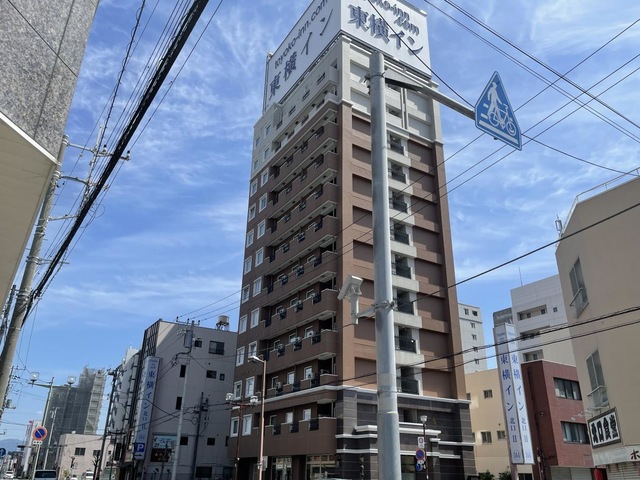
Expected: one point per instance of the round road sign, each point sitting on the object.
(3, 452)
(420, 454)
(419, 466)
(40, 433)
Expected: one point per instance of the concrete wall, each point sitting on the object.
(42, 46)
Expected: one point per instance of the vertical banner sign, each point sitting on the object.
(145, 405)
(513, 399)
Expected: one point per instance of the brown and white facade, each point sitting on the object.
(598, 263)
(309, 226)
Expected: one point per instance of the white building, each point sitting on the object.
(472, 338)
(164, 368)
(537, 308)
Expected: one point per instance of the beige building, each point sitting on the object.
(488, 424)
(598, 263)
(77, 454)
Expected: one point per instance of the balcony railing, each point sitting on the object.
(405, 343)
(404, 306)
(399, 176)
(599, 397)
(407, 385)
(398, 205)
(396, 147)
(399, 236)
(401, 270)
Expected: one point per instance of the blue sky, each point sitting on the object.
(167, 239)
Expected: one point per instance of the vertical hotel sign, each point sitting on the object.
(395, 28)
(513, 399)
(147, 390)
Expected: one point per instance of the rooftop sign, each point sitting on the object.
(395, 28)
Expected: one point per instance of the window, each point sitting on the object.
(473, 325)
(237, 390)
(574, 432)
(184, 440)
(79, 451)
(263, 203)
(476, 361)
(468, 396)
(245, 294)
(183, 370)
(259, 257)
(466, 311)
(246, 425)
(264, 177)
(240, 356)
(474, 313)
(257, 141)
(252, 212)
(247, 265)
(533, 356)
(261, 228)
(234, 427)
(211, 441)
(567, 389)
(555, 309)
(306, 414)
(178, 403)
(257, 286)
(250, 237)
(288, 417)
(474, 336)
(254, 166)
(216, 348)
(308, 372)
(488, 393)
(255, 318)
(96, 453)
(253, 349)
(267, 130)
(596, 378)
(253, 188)
(249, 386)
(486, 437)
(578, 289)
(212, 374)
(242, 324)
(267, 152)
(291, 377)
(222, 377)
(502, 435)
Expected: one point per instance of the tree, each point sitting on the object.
(505, 475)
(486, 475)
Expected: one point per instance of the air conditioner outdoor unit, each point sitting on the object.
(278, 385)
(309, 376)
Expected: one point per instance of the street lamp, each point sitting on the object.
(253, 401)
(254, 359)
(423, 419)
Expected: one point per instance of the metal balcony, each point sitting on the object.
(401, 270)
(400, 237)
(405, 344)
(407, 385)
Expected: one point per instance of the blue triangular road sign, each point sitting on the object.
(495, 116)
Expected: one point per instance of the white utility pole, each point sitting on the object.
(188, 343)
(388, 420)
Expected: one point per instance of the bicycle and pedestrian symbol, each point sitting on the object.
(494, 115)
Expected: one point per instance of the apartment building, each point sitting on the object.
(182, 371)
(474, 357)
(598, 263)
(309, 226)
(538, 308)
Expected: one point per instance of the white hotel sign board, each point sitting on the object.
(148, 381)
(513, 399)
(400, 33)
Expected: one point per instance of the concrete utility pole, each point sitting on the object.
(388, 421)
(24, 293)
(188, 343)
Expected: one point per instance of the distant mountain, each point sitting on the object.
(11, 444)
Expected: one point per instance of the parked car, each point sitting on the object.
(44, 474)
(9, 475)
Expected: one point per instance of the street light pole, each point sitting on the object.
(423, 419)
(254, 359)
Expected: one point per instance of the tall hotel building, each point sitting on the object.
(310, 225)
